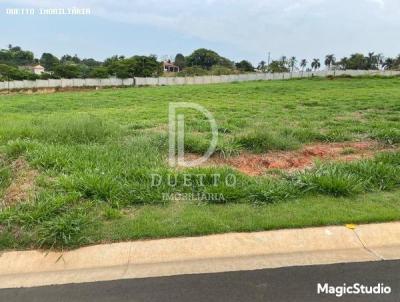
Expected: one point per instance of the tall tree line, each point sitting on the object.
(357, 61)
(200, 62)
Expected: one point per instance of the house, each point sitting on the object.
(36, 69)
(170, 67)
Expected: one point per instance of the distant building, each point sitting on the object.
(36, 69)
(170, 67)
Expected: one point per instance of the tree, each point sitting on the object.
(220, 70)
(380, 59)
(244, 66)
(342, 64)
(389, 63)
(330, 60)
(70, 59)
(48, 61)
(99, 72)
(180, 61)
(195, 71)
(374, 61)
(277, 66)
(5, 57)
(15, 56)
(68, 71)
(22, 58)
(303, 64)
(355, 62)
(91, 62)
(206, 58)
(8, 72)
(315, 64)
(112, 60)
(136, 66)
(261, 66)
(292, 63)
(392, 63)
(358, 61)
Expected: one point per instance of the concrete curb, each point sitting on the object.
(207, 254)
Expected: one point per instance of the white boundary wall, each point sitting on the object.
(113, 82)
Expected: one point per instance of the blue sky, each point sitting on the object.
(237, 29)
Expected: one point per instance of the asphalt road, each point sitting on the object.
(293, 284)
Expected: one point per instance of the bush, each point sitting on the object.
(99, 72)
(8, 73)
(67, 71)
(192, 71)
(222, 70)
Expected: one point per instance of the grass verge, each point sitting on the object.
(96, 152)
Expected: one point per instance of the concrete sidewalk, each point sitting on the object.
(207, 254)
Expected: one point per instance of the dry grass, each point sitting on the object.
(22, 186)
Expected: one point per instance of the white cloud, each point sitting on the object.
(257, 26)
(381, 3)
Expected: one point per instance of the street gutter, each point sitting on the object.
(206, 254)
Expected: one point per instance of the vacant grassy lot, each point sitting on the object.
(75, 168)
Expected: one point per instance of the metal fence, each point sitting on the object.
(160, 81)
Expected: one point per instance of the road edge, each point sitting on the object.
(205, 254)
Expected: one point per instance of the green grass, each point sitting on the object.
(96, 152)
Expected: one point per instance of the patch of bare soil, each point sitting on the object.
(305, 158)
(22, 185)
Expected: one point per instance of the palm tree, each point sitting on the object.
(371, 59)
(380, 59)
(389, 63)
(315, 64)
(292, 63)
(284, 60)
(330, 60)
(261, 66)
(303, 65)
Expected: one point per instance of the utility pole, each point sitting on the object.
(269, 57)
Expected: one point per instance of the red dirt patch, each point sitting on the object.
(257, 164)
